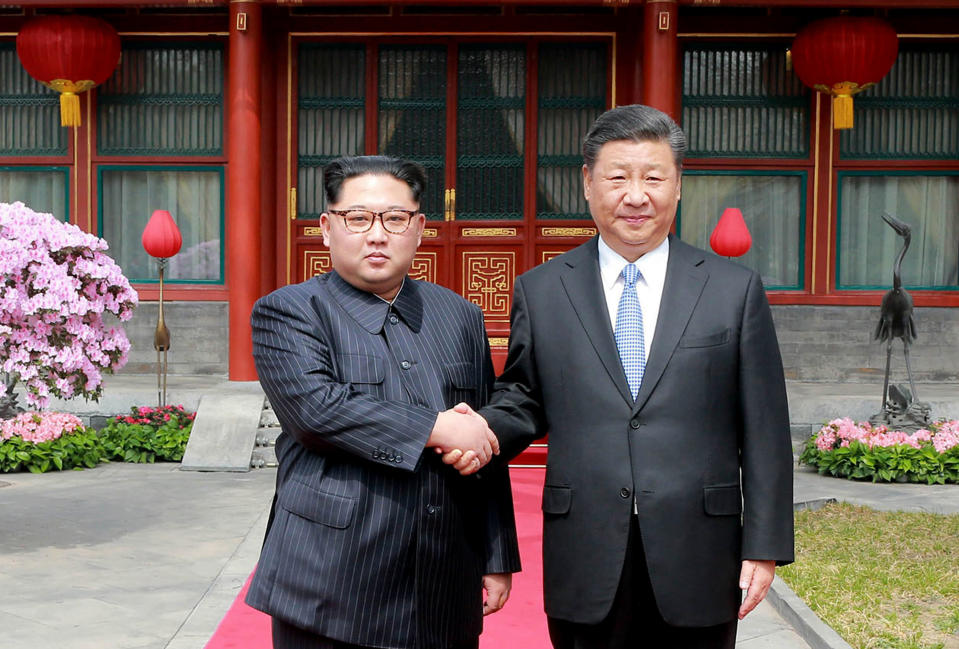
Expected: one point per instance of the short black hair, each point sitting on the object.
(637, 123)
(338, 171)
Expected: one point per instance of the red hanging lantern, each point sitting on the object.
(842, 56)
(161, 237)
(730, 237)
(69, 54)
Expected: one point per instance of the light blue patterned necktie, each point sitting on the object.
(629, 330)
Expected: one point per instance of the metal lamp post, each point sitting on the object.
(161, 239)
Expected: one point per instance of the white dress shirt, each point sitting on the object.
(649, 287)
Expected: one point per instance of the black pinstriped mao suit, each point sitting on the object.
(373, 541)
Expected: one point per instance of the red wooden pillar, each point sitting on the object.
(661, 57)
(243, 181)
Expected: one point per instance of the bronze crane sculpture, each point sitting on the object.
(895, 318)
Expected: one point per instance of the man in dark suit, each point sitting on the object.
(373, 541)
(668, 481)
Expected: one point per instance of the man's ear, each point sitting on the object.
(418, 223)
(587, 181)
(325, 226)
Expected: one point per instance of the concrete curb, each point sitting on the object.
(212, 607)
(816, 633)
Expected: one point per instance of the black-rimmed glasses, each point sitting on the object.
(359, 221)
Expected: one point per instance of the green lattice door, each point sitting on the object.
(498, 127)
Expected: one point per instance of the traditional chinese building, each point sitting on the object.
(225, 112)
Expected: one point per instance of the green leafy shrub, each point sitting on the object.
(148, 434)
(40, 442)
(845, 449)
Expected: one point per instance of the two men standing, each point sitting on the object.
(653, 367)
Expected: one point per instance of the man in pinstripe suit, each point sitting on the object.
(373, 541)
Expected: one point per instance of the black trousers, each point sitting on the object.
(287, 636)
(634, 622)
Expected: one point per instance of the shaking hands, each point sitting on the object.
(461, 435)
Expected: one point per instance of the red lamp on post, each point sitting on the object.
(161, 239)
(69, 54)
(730, 237)
(844, 55)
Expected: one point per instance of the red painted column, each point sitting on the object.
(661, 71)
(243, 181)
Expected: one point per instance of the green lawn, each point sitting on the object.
(881, 580)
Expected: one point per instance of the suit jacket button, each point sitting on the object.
(393, 318)
(624, 492)
(634, 423)
(406, 365)
(431, 509)
(399, 458)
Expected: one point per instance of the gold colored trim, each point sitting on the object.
(489, 232)
(498, 342)
(815, 194)
(736, 35)
(291, 207)
(289, 153)
(568, 232)
(76, 174)
(829, 185)
(94, 228)
(452, 204)
(313, 231)
(440, 34)
(184, 34)
(430, 233)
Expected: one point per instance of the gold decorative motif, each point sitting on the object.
(498, 342)
(430, 233)
(424, 266)
(549, 254)
(313, 231)
(568, 232)
(489, 232)
(316, 262)
(488, 282)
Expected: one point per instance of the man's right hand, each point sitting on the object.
(464, 439)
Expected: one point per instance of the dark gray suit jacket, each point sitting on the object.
(704, 450)
(373, 540)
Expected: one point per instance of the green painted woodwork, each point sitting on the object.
(163, 100)
(742, 102)
(29, 112)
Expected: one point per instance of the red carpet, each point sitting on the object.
(520, 625)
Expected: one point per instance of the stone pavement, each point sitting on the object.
(147, 556)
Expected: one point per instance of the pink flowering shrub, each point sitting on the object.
(844, 448)
(56, 284)
(40, 442)
(148, 434)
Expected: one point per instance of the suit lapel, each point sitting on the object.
(583, 286)
(685, 279)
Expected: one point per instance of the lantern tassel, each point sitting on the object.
(842, 111)
(69, 109)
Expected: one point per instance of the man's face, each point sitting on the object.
(375, 260)
(633, 191)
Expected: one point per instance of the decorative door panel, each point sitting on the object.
(485, 276)
(498, 127)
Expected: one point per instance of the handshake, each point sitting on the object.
(462, 437)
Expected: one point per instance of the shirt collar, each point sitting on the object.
(652, 265)
(370, 310)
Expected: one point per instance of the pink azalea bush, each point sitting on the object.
(43, 441)
(845, 448)
(56, 284)
(36, 428)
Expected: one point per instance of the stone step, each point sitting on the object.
(264, 452)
